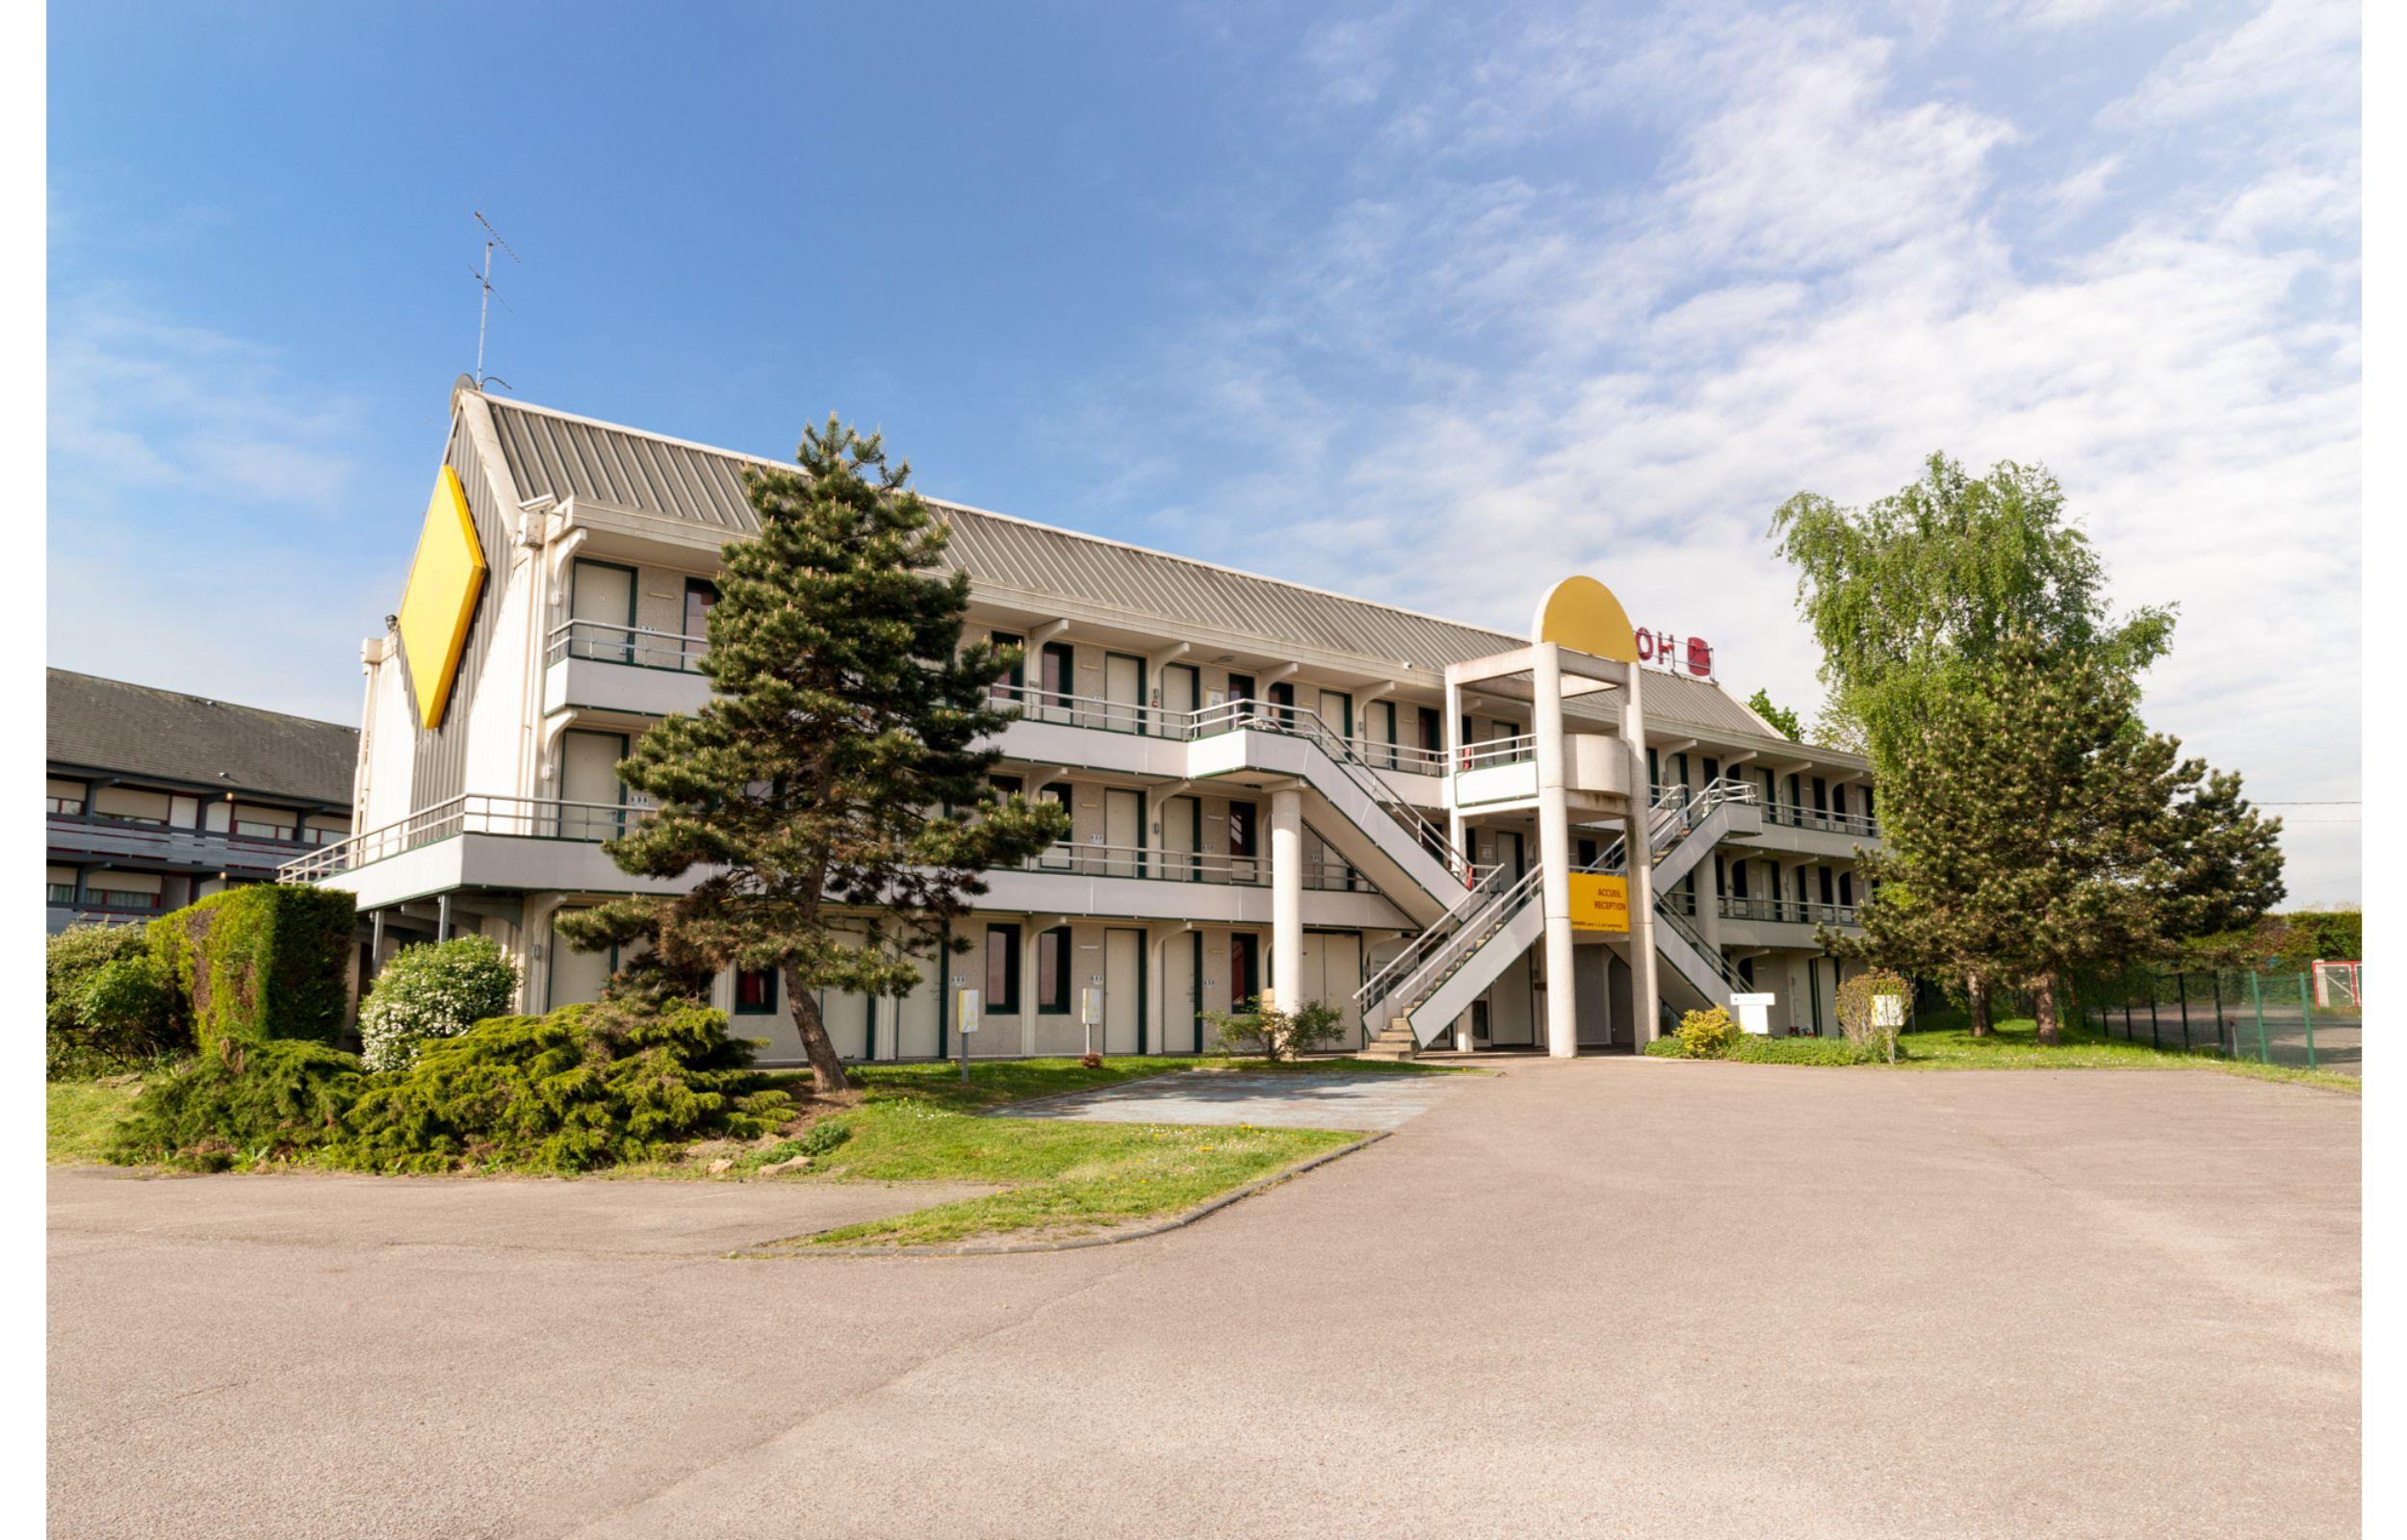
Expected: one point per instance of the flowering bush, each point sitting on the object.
(1277, 1034)
(1707, 1033)
(438, 989)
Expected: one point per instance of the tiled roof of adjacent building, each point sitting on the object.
(99, 723)
(553, 453)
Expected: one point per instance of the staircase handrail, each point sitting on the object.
(1438, 964)
(1712, 955)
(1433, 934)
(1304, 723)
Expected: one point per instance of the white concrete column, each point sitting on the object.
(1286, 896)
(1451, 737)
(1554, 853)
(1646, 997)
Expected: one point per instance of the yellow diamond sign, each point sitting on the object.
(445, 579)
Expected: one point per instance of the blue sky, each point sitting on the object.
(1320, 291)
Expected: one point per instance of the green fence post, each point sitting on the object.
(2256, 993)
(2181, 982)
(2218, 1017)
(2155, 1041)
(2307, 1014)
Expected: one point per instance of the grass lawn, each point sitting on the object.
(921, 1123)
(84, 1113)
(2015, 1044)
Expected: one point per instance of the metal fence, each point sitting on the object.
(2270, 1017)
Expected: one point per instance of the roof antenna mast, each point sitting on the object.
(486, 294)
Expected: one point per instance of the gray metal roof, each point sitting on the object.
(555, 454)
(97, 724)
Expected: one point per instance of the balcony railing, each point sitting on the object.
(474, 813)
(1789, 911)
(597, 641)
(1188, 866)
(1101, 715)
(1494, 751)
(592, 822)
(1797, 815)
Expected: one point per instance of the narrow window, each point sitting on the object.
(1053, 971)
(1003, 969)
(756, 991)
(1242, 834)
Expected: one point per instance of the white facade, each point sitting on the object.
(1267, 788)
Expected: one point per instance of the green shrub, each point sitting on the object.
(105, 1007)
(1754, 1050)
(259, 963)
(1707, 1033)
(437, 990)
(1276, 1034)
(584, 1087)
(240, 1104)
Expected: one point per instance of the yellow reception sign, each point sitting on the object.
(1599, 903)
(445, 579)
(1582, 614)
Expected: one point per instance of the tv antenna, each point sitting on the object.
(486, 294)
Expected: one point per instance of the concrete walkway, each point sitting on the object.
(1336, 1099)
(1596, 1297)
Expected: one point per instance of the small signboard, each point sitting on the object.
(1888, 1012)
(1599, 903)
(1090, 1007)
(968, 1013)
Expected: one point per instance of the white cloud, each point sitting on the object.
(1826, 276)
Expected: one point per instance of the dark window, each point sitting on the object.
(1242, 834)
(1847, 888)
(700, 595)
(1738, 879)
(1241, 687)
(1826, 895)
(1713, 771)
(1654, 771)
(1282, 695)
(1822, 795)
(1003, 969)
(1053, 971)
(1017, 675)
(1005, 785)
(1679, 765)
(1060, 667)
(1586, 851)
(1433, 729)
(756, 991)
(1245, 969)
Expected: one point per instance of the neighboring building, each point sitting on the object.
(157, 798)
(1256, 770)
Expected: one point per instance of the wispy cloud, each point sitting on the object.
(1826, 268)
(169, 438)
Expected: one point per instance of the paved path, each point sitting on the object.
(1220, 1097)
(1608, 1298)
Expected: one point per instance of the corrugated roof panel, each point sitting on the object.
(566, 457)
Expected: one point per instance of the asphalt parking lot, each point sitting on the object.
(1608, 1297)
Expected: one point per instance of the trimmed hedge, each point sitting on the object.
(1750, 1050)
(105, 1005)
(260, 963)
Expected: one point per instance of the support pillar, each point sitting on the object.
(1554, 853)
(1286, 898)
(1645, 996)
(1451, 736)
(443, 918)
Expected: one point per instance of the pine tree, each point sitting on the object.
(836, 770)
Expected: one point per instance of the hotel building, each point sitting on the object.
(1271, 787)
(156, 799)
